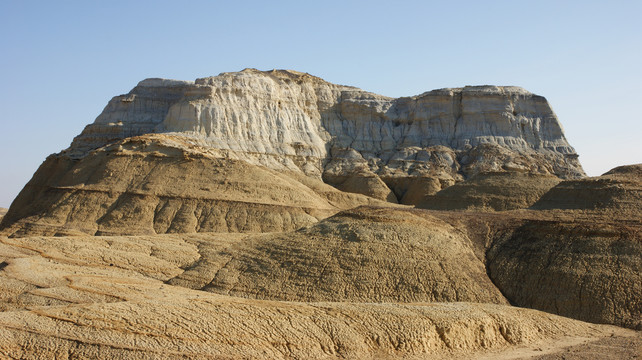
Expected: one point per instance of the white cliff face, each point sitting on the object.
(295, 121)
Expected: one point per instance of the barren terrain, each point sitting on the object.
(275, 215)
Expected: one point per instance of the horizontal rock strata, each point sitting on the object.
(290, 120)
(292, 128)
(116, 305)
(491, 191)
(618, 191)
(363, 255)
(157, 184)
(585, 270)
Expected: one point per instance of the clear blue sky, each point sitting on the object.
(63, 60)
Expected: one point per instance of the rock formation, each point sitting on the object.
(3, 211)
(617, 191)
(581, 254)
(107, 297)
(585, 270)
(342, 259)
(290, 120)
(158, 184)
(266, 215)
(281, 124)
(491, 191)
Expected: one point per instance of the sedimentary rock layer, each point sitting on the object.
(364, 255)
(585, 270)
(117, 305)
(491, 191)
(289, 130)
(162, 184)
(618, 191)
(580, 255)
(290, 120)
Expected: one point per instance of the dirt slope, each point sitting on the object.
(365, 254)
(68, 300)
(585, 270)
(618, 192)
(492, 191)
(161, 184)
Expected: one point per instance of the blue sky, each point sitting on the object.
(63, 60)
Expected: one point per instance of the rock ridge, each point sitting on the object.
(288, 120)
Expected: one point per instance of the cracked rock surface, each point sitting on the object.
(287, 120)
(270, 215)
(118, 297)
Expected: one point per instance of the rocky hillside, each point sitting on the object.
(162, 184)
(294, 133)
(241, 295)
(269, 215)
(286, 120)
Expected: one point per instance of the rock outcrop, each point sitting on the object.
(3, 211)
(491, 191)
(361, 255)
(157, 184)
(588, 270)
(292, 131)
(618, 191)
(290, 120)
(580, 253)
(128, 297)
(116, 304)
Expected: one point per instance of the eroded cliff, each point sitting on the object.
(290, 120)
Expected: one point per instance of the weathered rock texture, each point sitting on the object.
(617, 191)
(363, 255)
(580, 255)
(491, 191)
(585, 270)
(116, 305)
(242, 251)
(3, 211)
(299, 129)
(158, 184)
(290, 120)
(128, 297)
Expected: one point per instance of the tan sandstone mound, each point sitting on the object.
(618, 191)
(366, 254)
(105, 298)
(159, 184)
(492, 191)
(3, 211)
(582, 257)
(292, 125)
(585, 270)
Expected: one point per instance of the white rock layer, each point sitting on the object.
(291, 120)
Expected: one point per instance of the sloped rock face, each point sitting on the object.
(162, 184)
(295, 121)
(364, 255)
(580, 255)
(617, 191)
(107, 297)
(588, 270)
(280, 268)
(491, 191)
(298, 129)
